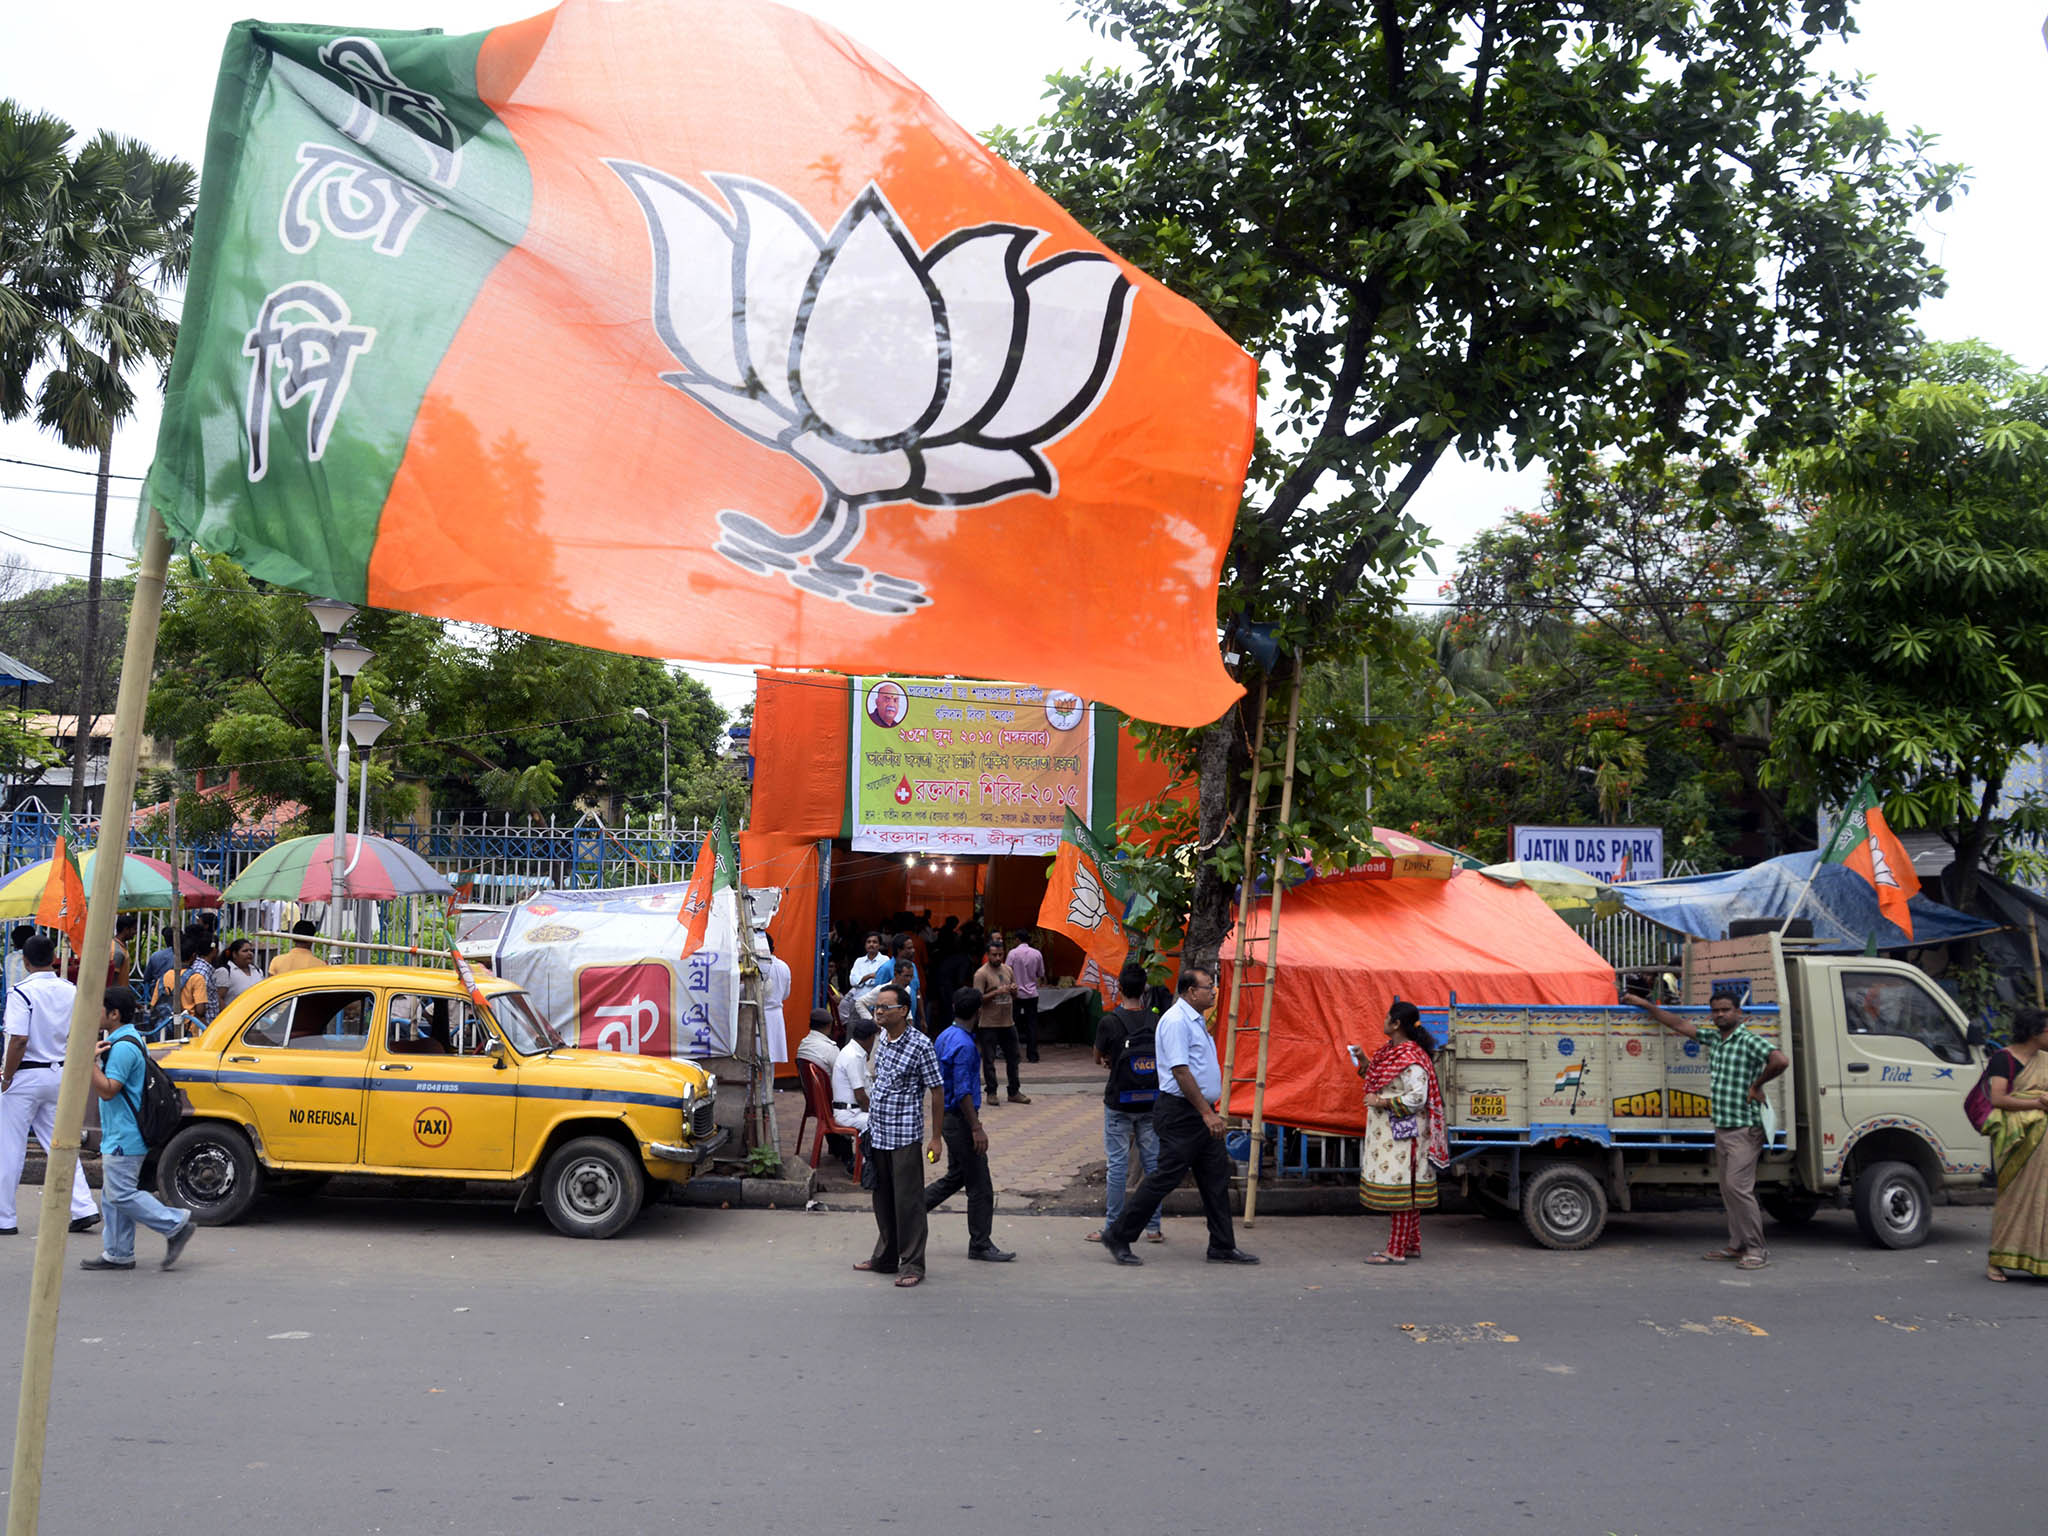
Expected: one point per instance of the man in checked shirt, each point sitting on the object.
(906, 1107)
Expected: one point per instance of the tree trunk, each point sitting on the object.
(87, 651)
(1959, 880)
(1221, 764)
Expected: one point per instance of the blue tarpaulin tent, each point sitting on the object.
(1842, 905)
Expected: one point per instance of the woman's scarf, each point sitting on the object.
(2016, 1134)
(1388, 1063)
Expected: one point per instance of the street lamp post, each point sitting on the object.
(668, 820)
(340, 655)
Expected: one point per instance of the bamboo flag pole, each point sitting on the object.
(2034, 938)
(32, 1417)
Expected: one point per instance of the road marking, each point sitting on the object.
(1459, 1333)
(293, 1335)
(1724, 1324)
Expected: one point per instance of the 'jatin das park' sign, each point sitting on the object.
(949, 765)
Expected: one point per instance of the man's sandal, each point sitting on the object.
(1751, 1261)
(1723, 1255)
(905, 1282)
(1384, 1258)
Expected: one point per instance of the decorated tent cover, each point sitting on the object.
(1842, 905)
(604, 968)
(1351, 945)
(823, 362)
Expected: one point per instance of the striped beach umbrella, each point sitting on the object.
(145, 886)
(302, 869)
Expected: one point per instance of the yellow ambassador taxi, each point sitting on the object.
(392, 1070)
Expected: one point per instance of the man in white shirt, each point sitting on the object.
(872, 968)
(817, 1046)
(38, 1028)
(850, 1076)
(1190, 1131)
(774, 993)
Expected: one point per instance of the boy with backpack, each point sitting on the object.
(138, 1110)
(1123, 1043)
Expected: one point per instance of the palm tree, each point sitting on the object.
(88, 246)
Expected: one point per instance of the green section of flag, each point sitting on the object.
(1114, 877)
(1853, 826)
(356, 196)
(725, 862)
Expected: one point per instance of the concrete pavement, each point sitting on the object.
(1043, 1155)
(347, 1365)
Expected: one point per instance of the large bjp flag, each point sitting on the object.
(691, 328)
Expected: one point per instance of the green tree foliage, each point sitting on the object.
(45, 627)
(1496, 228)
(1578, 663)
(89, 244)
(484, 720)
(1917, 651)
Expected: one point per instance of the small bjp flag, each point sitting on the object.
(690, 328)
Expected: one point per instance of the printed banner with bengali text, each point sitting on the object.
(943, 765)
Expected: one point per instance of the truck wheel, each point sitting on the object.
(1564, 1207)
(592, 1188)
(1791, 1210)
(210, 1169)
(1892, 1205)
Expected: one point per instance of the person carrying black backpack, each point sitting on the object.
(132, 1090)
(1123, 1043)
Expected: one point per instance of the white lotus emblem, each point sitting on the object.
(1086, 908)
(890, 373)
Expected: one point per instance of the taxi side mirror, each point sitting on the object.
(495, 1049)
(1975, 1034)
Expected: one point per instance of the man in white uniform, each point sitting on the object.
(38, 1026)
(774, 993)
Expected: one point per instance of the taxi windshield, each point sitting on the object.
(523, 1025)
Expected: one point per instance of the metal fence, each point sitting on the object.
(1628, 941)
(501, 861)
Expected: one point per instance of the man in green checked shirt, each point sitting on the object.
(1739, 1063)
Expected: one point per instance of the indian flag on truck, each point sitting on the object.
(1571, 1077)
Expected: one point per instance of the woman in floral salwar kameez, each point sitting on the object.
(1405, 1141)
(2019, 1120)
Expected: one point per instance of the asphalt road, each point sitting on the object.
(371, 1365)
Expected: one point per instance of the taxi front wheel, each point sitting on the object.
(592, 1187)
(210, 1169)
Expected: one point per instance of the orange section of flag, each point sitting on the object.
(579, 470)
(695, 913)
(1079, 905)
(62, 904)
(1882, 860)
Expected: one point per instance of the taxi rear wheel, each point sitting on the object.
(210, 1169)
(592, 1187)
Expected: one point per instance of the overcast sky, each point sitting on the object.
(1967, 71)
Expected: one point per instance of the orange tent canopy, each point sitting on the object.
(1349, 946)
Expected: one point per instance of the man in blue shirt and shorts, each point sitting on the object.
(117, 1073)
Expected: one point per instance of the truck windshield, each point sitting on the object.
(1886, 1003)
(529, 1033)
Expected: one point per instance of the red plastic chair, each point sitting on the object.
(818, 1106)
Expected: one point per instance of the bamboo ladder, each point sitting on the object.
(1262, 948)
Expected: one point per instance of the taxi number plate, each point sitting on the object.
(1489, 1106)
